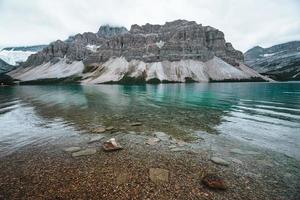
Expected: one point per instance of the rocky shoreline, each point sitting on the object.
(149, 166)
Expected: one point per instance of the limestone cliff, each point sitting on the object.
(178, 51)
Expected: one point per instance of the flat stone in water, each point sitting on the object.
(136, 124)
(122, 178)
(239, 151)
(152, 141)
(109, 128)
(111, 145)
(85, 152)
(219, 161)
(99, 130)
(72, 149)
(236, 161)
(177, 149)
(162, 136)
(214, 181)
(158, 175)
(96, 138)
(181, 143)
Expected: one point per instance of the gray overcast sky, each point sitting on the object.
(246, 23)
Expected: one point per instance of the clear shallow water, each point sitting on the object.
(263, 114)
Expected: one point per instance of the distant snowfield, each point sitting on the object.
(13, 57)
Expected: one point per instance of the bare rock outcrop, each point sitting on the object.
(150, 48)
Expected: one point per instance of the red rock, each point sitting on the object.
(111, 145)
(214, 182)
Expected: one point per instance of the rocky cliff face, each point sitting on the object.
(280, 62)
(142, 53)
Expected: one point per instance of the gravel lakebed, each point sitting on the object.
(149, 166)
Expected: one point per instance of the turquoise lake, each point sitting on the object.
(262, 114)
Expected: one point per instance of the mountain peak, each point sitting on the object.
(109, 31)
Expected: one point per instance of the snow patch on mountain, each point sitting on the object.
(92, 48)
(14, 57)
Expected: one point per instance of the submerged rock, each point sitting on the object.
(214, 182)
(176, 149)
(158, 175)
(136, 124)
(110, 128)
(99, 130)
(96, 138)
(162, 136)
(243, 152)
(111, 145)
(72, 149)
(219, 161)
(236, 161)
(85, 152)
(152, 141)
(181, 143)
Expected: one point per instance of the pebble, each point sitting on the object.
(99, 130)
(72, 149)
(109, 128)
(85, 152)
(158, 175)
(162, 136)
(214, 182)
(152, 141)
(111, 145)
(236, 161)
(177, 149)
(242, 152)
(181, 143)
(136, 124)
(219, 161)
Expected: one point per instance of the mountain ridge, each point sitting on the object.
(280, 62)
(150, 46)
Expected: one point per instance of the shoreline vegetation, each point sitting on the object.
(7, 80)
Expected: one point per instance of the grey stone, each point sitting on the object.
(219, 161)
(236, 161)
(152, 141)
(243, 152)
(110, 128)
(72, 149)
(136, 124)
(99, 130)
(177, 149)
(162, 136)
(96, 138)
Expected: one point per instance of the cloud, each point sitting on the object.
(245, 23)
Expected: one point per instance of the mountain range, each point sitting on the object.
(177, 51)
(280, 62)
